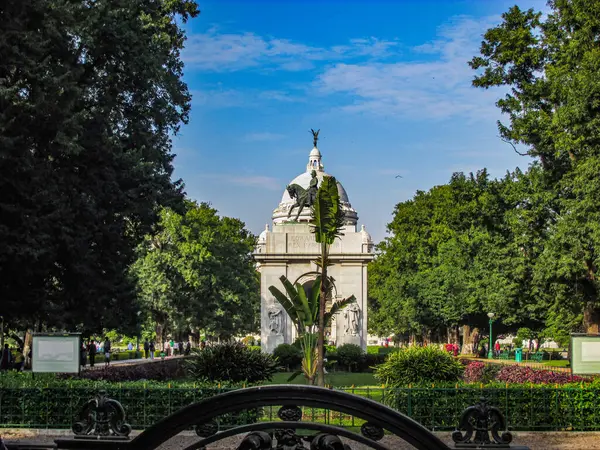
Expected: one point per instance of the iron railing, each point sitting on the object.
(531, 408)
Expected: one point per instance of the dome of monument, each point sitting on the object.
(262, 237)
(303, 180)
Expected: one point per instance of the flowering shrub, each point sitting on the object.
(520, 374)
(478, 372)
(473, 372)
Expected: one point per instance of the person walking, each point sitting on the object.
(83, 356)
(497, 348)
(188, 347)
(152, 350)
(146, 348)
(92, 352)
(107, 352)
(6, 358)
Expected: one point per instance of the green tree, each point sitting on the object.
(551, 68)
(196, 273)
(452, 257)
(326, 223)
(90, 95)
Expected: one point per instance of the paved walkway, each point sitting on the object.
(534, 440)
(130, 362)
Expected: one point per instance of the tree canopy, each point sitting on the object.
(90, 95)
(197, 274)
(527, 246)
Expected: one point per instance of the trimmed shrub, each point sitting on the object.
(379, 350)
(232, 362)
(288, 356)
(418, 365)
(371, 361)
(350, 356)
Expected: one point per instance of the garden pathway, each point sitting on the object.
(534, 440)
(131, 362)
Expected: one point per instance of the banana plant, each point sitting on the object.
(327, 222)
(303, 310)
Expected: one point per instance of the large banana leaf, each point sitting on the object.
(327, 214)
(314, 299)
(288, 306)
(336, 307)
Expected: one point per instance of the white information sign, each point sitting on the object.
(590, 351)
(56, 353)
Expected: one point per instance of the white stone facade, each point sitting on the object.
(290, 249)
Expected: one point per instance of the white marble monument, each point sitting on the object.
(290, 249)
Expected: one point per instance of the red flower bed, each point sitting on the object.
(473, 372)
(520, 374)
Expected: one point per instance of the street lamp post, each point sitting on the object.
(491, 343)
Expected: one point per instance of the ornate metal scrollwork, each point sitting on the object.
(207, 429)
(290, 413)
(257, 440)
(482, 420)
(372, 431)
(102, 417)
(325, 441)
(289, 431)
(288, 440)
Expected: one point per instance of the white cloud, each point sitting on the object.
(225, 52)
(256, 181)
(218, 98)
(263, 137)
(422, 88)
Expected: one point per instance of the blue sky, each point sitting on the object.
(386, 82)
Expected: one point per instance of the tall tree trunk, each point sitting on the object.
(322, 300)
(591, 318)
(470, 339)
(591, 314)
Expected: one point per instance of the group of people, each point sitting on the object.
(12, 360)
(91, 349)
(172, 348)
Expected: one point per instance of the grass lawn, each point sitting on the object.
(557, 363)
(336, 379)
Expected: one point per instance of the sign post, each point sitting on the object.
(584, 354)
(56, 352)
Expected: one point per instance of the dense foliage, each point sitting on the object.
(90, 96)
(414, 365)
(525, 246)
(231, 362)
(349, 356)
(196, 273)
(288, 356)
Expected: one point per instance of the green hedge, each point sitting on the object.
(379, 350)
(45, 402)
